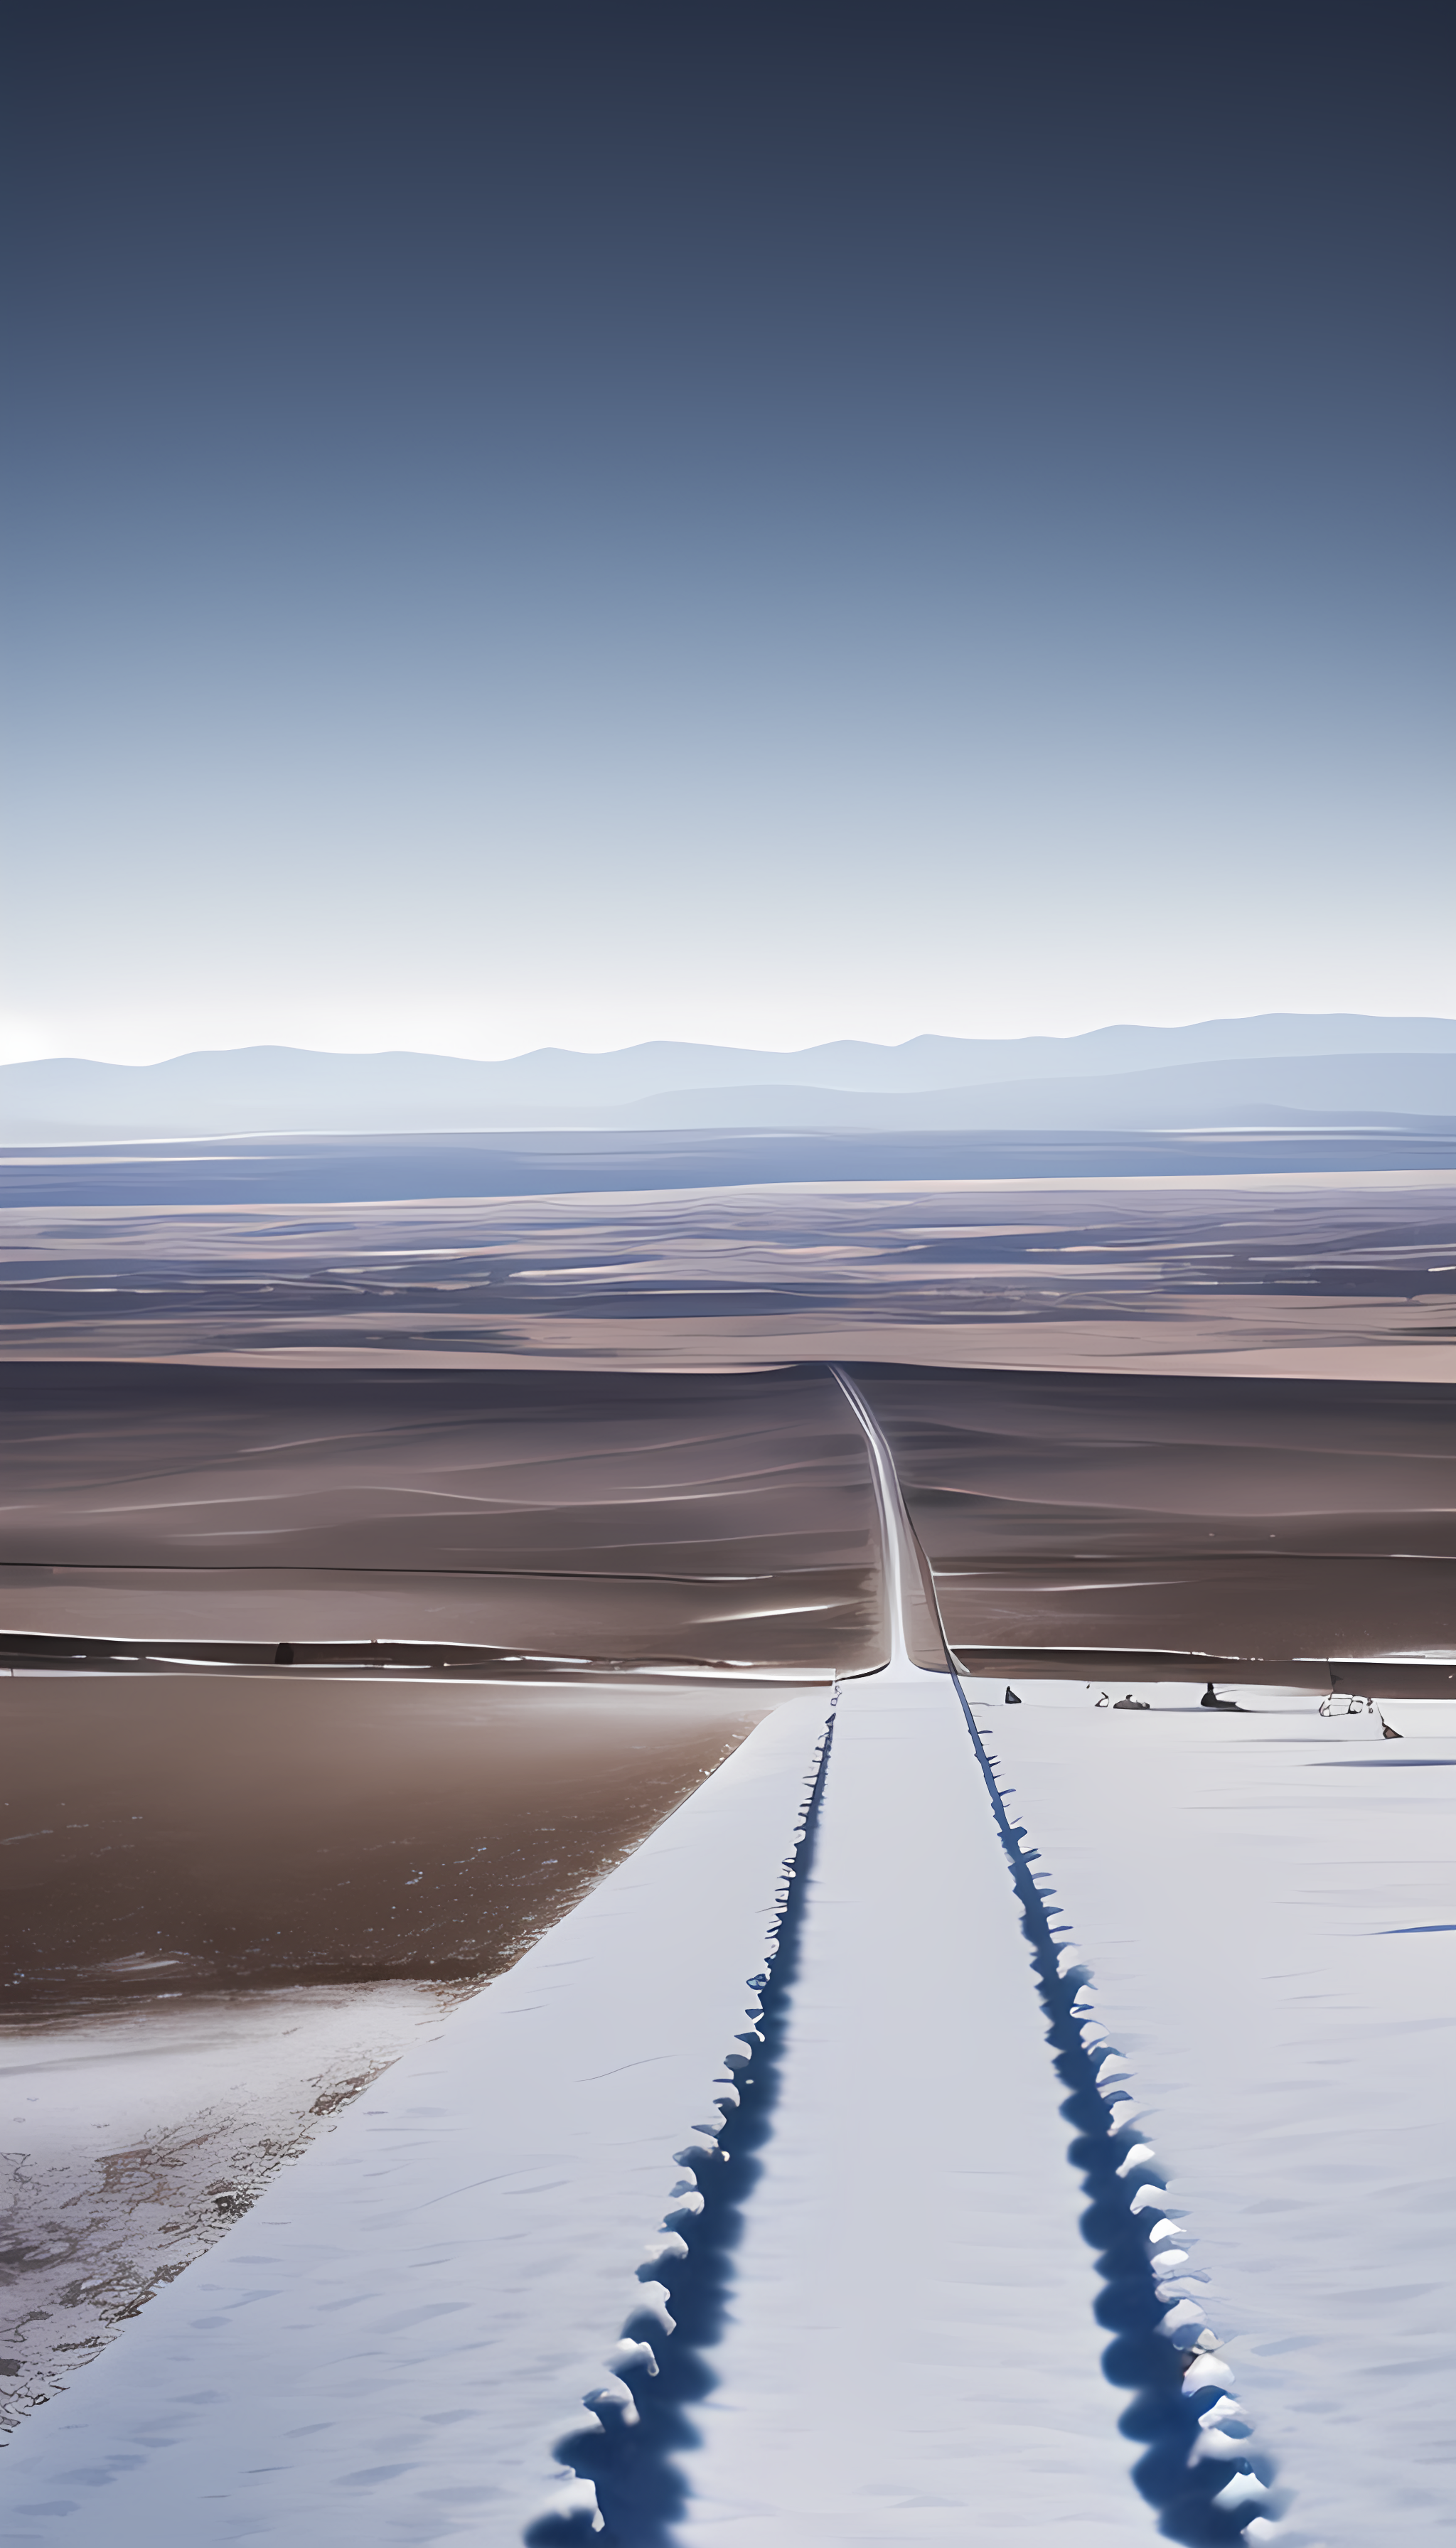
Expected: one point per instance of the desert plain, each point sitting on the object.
(377, 1574)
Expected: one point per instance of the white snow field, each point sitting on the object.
(911, 2354)
(387, 2347)
(1266, 1905)
(120, 2129)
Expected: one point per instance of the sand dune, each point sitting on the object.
(604, 1515)
(1259, 1519)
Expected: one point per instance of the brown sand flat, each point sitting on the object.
(1348, 1273)
(193, 1833)
(399, 1419)
(613, 1516)
(1268, 1519)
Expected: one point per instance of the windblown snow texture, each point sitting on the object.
(909, 2339)
(1201, 2466)
(640, 2424)
(1265, 1905)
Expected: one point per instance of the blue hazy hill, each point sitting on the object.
(1281, 1067)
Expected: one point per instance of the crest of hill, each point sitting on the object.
(1279, 1068)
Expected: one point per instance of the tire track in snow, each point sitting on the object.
(1197, 2470)
(627, 2460)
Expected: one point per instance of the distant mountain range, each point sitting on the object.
(1277, 1069)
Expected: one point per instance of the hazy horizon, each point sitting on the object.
(787, 1051)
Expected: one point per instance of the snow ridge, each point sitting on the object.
(626, 2489)
(1198, 2469)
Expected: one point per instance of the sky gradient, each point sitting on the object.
(569, 523)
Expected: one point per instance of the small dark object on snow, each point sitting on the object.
(1211, 1698)
(284, 1652)
(1131, 1702)
(1012, 1699)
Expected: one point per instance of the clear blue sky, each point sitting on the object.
(565, 523)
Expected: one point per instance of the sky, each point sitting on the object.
(573, 522)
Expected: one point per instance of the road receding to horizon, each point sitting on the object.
(841, 2079)
(1084, 2177)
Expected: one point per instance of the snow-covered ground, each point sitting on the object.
(910, 2346)
(1267, 1904)
(387, 2347)
(131, 2138)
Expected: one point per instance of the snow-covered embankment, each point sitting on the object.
(389, 2345)
(1266, 1906)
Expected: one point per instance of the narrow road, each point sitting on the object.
(917, 1638)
